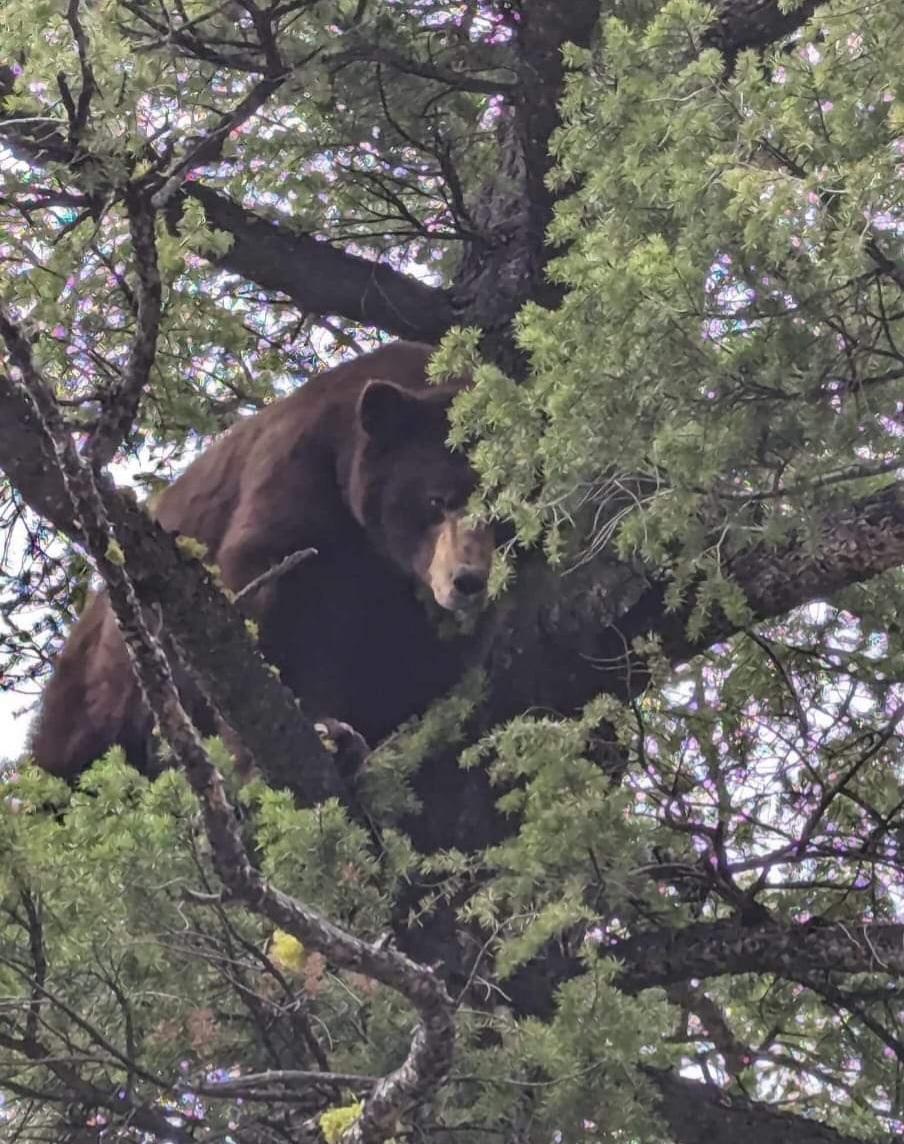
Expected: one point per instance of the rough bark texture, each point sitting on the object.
(321, 278)
(554, 644)
(506, 265)
(700, 1113)
(794, 952)
(431, 1049)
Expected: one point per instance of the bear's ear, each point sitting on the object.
(386, 411)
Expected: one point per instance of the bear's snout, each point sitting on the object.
(470, 581)
(459, 565)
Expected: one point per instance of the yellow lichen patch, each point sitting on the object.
(287, 951)
(114, 553)
(335, 1122)
(188, 546)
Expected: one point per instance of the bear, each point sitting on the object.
(354, 464)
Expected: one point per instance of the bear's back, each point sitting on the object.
(310, 433)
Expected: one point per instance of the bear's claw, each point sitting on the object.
(350, 748)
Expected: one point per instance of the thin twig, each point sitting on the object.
(209, 147)
(285, 565)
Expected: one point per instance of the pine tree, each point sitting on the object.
(639, 878)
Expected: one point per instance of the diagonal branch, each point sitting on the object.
(209, 147)
(430, 1054)
(457, 78)
(145, 1116)
(701, 1113)
(317, 276)
(121, 406)
(846, 547)
(322, 279)
(209, 631)
(565, 639)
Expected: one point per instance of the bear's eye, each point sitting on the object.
(436, 503)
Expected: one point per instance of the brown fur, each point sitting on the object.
(449, 547)
(353, 467)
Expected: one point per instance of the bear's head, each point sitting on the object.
(410, 491)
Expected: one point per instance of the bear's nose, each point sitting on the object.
(469, 582)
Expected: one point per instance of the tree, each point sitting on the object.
(638, 878)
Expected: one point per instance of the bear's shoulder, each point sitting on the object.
(300, 445)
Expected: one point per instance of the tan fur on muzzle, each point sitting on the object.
(455, 552)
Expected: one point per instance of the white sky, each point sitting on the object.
(12, 730)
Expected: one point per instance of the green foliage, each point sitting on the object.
(588, 1052)
(385, 784)
(724, 340)
(108, 920)
(96, 930)
(723, 369)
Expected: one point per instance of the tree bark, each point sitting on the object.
(502, 268)
(322, 279)
(701, 1113)
(554, 642)
(743, 24)
(794, 952)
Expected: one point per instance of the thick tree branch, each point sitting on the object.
(210, 632)
(741, 24)
(320, 278)
(121, 405)
(497, 273)
(506, 266)
(795, 952)
(847, 546)
(459, 78)
(816, 955)
(209, 147)
(557, 641)
(566, 639)
(78, 114)
(701, 1113)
